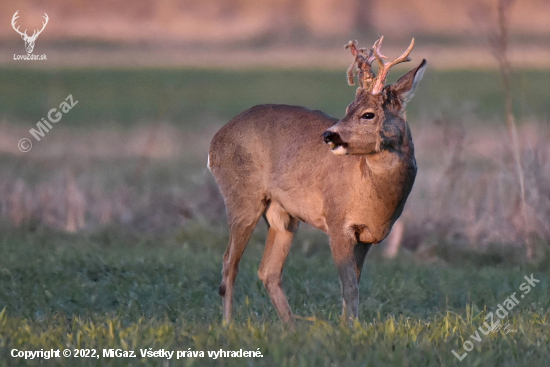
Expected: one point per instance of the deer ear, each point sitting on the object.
(405, 86)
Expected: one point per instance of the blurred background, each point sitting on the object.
(154, 80)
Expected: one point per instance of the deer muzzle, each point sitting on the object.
(337, 145)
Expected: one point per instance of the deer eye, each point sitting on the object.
(368, 116)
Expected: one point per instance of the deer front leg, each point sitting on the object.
(349, 257)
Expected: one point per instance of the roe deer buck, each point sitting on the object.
(274, 160)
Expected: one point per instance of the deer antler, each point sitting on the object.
(15, 16)
(24, 34)
(35, 34)
(384, 68)
(362, 62)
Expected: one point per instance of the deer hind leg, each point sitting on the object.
(279, 239)
(242, 219)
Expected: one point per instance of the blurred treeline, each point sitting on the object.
(260, 22)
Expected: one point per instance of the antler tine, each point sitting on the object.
(13, 19)
(352, 46)
(378, 54)
(405, 55)
(358, 63)
(385, 67)
(43, 25)
(350, 75)
(362, 62)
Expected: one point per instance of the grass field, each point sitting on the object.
(115, 290)
(143, 270)
(190, 98)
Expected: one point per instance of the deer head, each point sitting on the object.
(376, 117)
(29, 40)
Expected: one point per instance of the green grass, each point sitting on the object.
(191, 98)
(118, 288)
(115, 289)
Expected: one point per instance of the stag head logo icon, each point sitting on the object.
(29, 40)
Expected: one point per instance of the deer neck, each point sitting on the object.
(388, 159)
(390, 171)
(394, 163)
(387, 178)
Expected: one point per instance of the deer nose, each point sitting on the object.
(331, 137)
